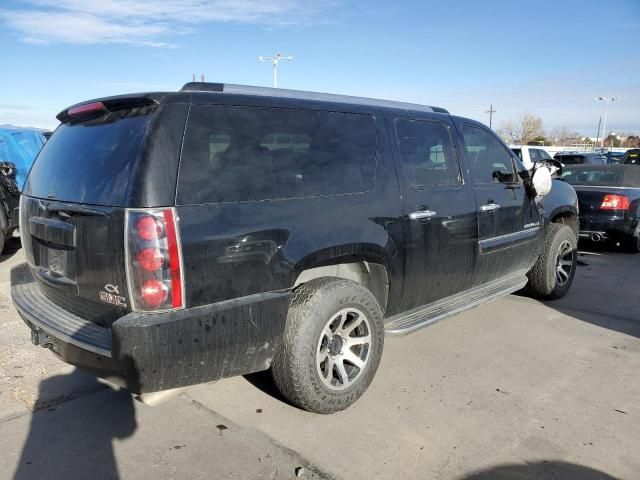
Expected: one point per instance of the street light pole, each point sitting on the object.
(274, 61)
(604, 122)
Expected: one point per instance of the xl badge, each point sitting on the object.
(112, 296)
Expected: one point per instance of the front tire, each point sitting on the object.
(333, 342)
(553, 273)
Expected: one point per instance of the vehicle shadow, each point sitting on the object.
(263, 381)
(75, 439)
(605, 289)
(544, 470)
(11, 247)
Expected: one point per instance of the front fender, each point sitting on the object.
(561, 201)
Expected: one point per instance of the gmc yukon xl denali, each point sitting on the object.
(178, 238)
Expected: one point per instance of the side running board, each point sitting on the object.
(408, 322)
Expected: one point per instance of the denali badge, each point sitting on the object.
(112, 296)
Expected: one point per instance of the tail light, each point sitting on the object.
(154, 260)
(615, 202)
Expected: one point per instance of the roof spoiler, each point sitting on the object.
(92, 108)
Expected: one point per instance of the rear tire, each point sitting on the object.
(332, 345)
(3, 237)
(553, 273)
(632, 244)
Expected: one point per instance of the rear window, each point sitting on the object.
(571, 159)
(90, 162)
(607, 176)
(235, 154)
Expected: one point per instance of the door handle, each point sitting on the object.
(489, 207)
(422, 214)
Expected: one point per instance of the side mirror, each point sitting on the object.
(8, 169)
(541, 181)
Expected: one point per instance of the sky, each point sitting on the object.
(547, 58)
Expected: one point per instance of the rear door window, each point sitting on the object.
(427, 153)
(237, 153)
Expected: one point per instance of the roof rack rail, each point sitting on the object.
(304, 95)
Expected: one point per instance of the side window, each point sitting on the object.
(544, 155)
(236, 154)
(489, 160)
(427, 153)
(534, 153)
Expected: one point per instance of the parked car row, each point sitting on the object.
(222, 230)
(18, 149)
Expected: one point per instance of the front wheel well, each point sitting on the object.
(568, 218)
(371, 275)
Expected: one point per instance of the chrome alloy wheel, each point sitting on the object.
(343, 348)
(564, 263)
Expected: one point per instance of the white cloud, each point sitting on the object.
(146, 23)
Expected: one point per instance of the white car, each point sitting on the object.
(530, 155)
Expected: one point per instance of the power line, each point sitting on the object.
(491, 111)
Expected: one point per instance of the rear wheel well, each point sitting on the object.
(371, 275)
(568, 218)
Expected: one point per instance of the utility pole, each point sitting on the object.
(274, 61)
(604, 122)
(491, 111)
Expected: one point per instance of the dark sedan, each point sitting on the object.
(609, 199)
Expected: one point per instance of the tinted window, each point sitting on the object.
(427, 153)
(489, 160)
(234, 154)
(90, 162)
(572, 159)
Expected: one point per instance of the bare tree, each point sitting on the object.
(563, 136)
(523, 130)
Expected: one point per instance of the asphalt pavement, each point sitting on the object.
(514, 389)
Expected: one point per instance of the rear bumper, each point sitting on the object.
(152, 352)
(612, 228)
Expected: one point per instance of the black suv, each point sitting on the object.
(178, 238)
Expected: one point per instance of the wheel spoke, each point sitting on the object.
(355, 324)
(322, 355)
(328, 369)
(352, 341)
(353, 359)
(342, 372)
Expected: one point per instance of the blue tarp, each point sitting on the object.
(20, 146)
